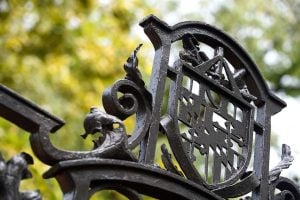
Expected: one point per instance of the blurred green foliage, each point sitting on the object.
(62, 55)
(270, 31)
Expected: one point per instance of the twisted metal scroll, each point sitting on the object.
(289, 190)
(286, 162)
(135, 99)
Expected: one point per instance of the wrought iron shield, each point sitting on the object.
(217, 101)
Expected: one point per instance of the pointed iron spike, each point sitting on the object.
(130, 63)
(137, 49)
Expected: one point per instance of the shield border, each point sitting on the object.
(175, 139)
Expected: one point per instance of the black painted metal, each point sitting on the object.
(12, 173)
(217, 103)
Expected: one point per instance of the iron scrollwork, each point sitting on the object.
(115, 142)
(288, 189)
(12, 173)
(135, 99)
(216, 104)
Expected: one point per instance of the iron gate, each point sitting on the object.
(217, 103)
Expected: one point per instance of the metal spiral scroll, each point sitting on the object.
(135, 99)
(289, 190)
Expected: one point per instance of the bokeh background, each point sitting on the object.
(62, 54)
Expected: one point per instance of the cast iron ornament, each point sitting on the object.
(12, 173)
(217, 102)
